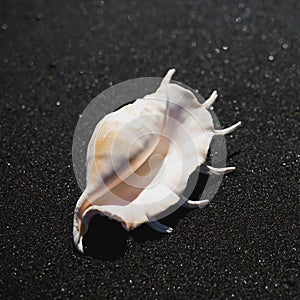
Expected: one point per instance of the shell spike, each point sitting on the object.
(195, 204)
(205, 169)
(77, 236)
(156, 225)
(209, 102)
(227, 130)
(79, 245)
(79, 225)
(168, 76)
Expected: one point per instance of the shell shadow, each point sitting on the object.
(145, 233)
(107, 240)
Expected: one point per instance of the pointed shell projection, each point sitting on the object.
(140, 157)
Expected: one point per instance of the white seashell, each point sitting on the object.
(140, 158)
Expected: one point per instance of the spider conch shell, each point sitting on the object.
(140, 157)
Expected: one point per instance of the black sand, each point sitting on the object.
(56, 56)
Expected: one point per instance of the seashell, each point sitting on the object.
(140, 157)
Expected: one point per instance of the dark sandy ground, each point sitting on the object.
(56, 56)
